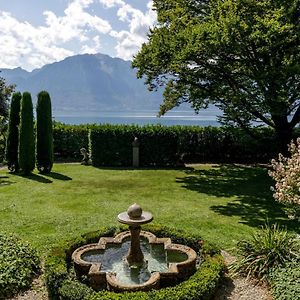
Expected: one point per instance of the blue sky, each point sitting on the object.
(34, 32)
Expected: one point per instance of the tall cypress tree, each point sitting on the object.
(26, 135)
(12, 142)
(44, 133)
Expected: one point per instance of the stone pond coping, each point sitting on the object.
(100, 279)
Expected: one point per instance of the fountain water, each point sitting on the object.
(135, 259)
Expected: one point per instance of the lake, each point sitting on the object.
(205, 118)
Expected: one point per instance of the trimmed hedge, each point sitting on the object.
(44, 133)
(26, 135)
(62, 282)
(111, 145)
(18, 264)
(12, 143)
(68, 140)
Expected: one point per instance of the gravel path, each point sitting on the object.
(241, 288)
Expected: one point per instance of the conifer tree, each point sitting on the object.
(44, 133)
(12, 141)
(26, 135)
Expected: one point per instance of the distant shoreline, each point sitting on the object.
(207, 118)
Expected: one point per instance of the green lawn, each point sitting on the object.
(222, 203)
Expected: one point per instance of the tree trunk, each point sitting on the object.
(283, 138)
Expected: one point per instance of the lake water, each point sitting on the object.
(206, 118)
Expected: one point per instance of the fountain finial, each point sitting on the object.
(134, 211)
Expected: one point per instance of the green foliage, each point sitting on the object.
(62, 284)
(68, 140)
(18, 264)
(44, 133)
(267, 249)
(26, 135)
(285, 281)
(12, 142)
(242, 56)
(74, 290)
(5, 93)
(111, 145)
(286, 171)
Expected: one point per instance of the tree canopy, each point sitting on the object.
(5, 93)
(241, 55)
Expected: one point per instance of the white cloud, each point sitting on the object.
(77, 30)
(111, 3)
(23, 44)
(95, 48)
(129, 41)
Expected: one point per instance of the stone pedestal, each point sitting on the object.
(136, 153)
(135, 255)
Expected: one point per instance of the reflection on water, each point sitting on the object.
(113, 260)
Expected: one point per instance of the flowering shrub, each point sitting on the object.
(286, 173)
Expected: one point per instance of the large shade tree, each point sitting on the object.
(241, 55)
(5, 93)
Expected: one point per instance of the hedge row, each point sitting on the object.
(68, 140)
(62, 282)
(111, 145)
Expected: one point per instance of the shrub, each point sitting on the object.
(44, 133)
(26, 135)
(286, 173)
(18, 264)
(269, 248)
(285, 281)
(12, 142)
(63, 284)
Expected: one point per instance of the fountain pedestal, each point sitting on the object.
(135, 217)
(135, 255)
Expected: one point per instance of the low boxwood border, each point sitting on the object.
(62, 282)
(19, 263)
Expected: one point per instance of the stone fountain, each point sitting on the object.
(135, 217)
(135, 259)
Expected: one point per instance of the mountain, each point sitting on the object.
(87, 83)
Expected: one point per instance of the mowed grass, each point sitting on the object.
(222, 203)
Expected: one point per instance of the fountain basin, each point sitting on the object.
(104, 264)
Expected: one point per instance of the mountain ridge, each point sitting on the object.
(87, 82)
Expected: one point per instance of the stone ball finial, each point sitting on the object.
(135, 142)
(134, 211)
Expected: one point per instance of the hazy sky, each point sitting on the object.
(37, 32)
